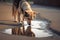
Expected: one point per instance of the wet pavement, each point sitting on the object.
(36, 29)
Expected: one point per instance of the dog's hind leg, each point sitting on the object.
(18, 17)
(14, 13)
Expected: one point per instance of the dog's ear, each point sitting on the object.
(35, 12)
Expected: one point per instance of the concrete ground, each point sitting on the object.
(52, 14)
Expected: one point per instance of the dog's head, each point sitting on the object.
(32, 14)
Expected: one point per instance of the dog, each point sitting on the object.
(27, 12)
(24, 11)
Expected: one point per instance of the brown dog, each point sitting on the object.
(27, 12)
(24, 12)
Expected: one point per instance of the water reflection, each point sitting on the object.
(18, 30)
(29, 32)
(21, 31)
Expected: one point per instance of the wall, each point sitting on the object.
(47, 2)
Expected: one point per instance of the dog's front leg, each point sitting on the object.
(14, 13)
(22, 19)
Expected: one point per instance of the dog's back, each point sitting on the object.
(25, 5)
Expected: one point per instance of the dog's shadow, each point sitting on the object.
(9, 23)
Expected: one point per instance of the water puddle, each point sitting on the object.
(37, 29)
